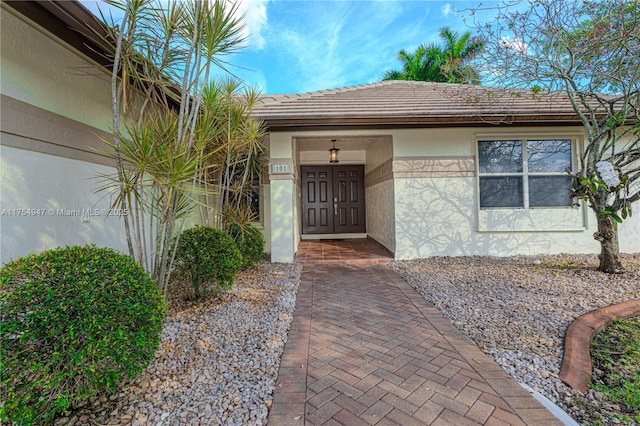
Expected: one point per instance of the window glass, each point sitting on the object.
(549, 191)
(245, 198)
(255, 198)
(501, 191)
(500, 156)
(524, 173)
(549, 155)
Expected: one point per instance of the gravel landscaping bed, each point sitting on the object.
(218, 359)
(517, 310)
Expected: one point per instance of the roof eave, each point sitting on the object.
(71, 22)
(287, 124)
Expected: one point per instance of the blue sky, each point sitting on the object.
(301, 46)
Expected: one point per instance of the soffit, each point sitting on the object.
(70, 21)
(351, 143)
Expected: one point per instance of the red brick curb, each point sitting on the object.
(576, 362)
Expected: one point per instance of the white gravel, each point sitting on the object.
(517, 310)
(217, 362)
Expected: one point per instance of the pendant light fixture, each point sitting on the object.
(333, 153)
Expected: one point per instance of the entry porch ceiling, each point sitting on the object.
(347, 143)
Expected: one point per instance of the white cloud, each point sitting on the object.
(334, 46)
(255, 20)
(447, 9)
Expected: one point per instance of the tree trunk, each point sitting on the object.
(609, 248)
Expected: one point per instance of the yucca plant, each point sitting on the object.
(173, 130)
(237, 146)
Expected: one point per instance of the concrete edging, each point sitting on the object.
(576, 369)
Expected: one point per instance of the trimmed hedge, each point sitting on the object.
(249, 240)
(207, 255)
(76, 322)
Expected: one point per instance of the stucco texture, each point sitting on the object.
(50, 201)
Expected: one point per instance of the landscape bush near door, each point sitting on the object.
(76, 321)
(249, 240)
(209, 258)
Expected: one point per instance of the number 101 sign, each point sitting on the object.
(280, 168)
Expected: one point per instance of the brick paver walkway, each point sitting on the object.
(366, 349)
(350, 251)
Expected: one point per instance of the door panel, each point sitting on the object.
(355, 219)
(311, 191)
(325, 197)
(317, 200)
(311, 217)
(342, 191)
(333, 199)
(325, 218)
(350, 183)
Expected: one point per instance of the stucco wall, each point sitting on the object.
(380, 213)
(434, 142)
(50, 201)
(282, 220)
(282, 199)
(437, 209)
(437, 217)
(297, 197)
(41, 71)
(629, 232)
(379, 193)
(54, 107)
(422, 190)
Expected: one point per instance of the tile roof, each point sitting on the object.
(413, 104)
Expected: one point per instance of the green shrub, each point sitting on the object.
(75, 322)
(249, 240)
(207, 254)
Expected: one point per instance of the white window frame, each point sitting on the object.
(524, 174)
(532, 220)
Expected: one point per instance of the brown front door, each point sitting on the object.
(333, 199)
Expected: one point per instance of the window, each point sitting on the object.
(524, 173)
(245, 199)
(254, 198)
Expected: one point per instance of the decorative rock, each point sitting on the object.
(517, 310)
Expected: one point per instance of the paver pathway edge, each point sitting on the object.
(575, 369)
(491, 395)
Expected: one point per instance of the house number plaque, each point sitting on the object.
(280, 168)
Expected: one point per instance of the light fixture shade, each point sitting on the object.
(333, 153)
